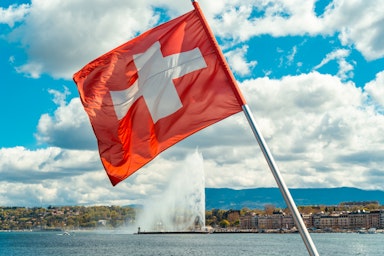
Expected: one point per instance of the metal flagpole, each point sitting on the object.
(263, 146)
(280, 182)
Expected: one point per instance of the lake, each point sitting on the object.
(103, 243)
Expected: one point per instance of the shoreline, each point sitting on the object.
(264, 231)
(217, 231)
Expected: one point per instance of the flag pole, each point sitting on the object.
(262, 144)
(281, 184)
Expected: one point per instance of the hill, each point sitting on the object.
(257, 198)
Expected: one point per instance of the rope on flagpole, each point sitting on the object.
(263, 146)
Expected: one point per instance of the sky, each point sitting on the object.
(311, 71)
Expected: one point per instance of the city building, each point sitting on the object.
(325, 221)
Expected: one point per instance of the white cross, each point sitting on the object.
(155, 81)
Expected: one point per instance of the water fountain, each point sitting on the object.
(180, 207)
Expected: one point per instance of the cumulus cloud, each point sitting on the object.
(86, 188)
(375, 89)
(13, 14)
(54, 176)
(32, 69)
(360, 24)
(324, 121)
(238, 62)
(62, 36)
(279, 18)
(19, 164)
(357, 22)
(68, 127)
(313, 123)
(321, 130)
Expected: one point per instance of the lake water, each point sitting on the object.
(119, 243)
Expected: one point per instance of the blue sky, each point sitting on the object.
(311, 71)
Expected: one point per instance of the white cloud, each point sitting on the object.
(315, 124)
(279, 18)
(55, 176)
(13, 14)
(59, 98)
(345, 68)
(238, 62)
(32, 69)
(62, 36)
(318, 127)
(360, 23)
(291, 56)
(19, 164)
(320, 130)
(337, 54)
(68, 127)
(11, 59)
(375, 89)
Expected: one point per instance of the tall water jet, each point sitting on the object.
(181, 206)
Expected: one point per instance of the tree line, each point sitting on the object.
(66, 217)
(90, 217)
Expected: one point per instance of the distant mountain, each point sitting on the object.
(224, 198)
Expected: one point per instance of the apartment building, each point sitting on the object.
(343, 220)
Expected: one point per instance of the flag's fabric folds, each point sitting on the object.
(153, 91)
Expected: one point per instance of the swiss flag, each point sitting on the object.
(153, 91)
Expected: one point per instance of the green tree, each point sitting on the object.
(224, 223)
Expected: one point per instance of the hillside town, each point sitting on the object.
(60, 218)
(361, 217)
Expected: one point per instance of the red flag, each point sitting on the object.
(153, 91)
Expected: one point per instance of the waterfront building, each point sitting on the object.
(381, 219)
(275, 221)
(325, 221)
(308, 219)
(316, 220)
(288, 222)
(358, 220)
(264, 222)
(374, 219)
(343, 221)
(334, 221)
(248, 221)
